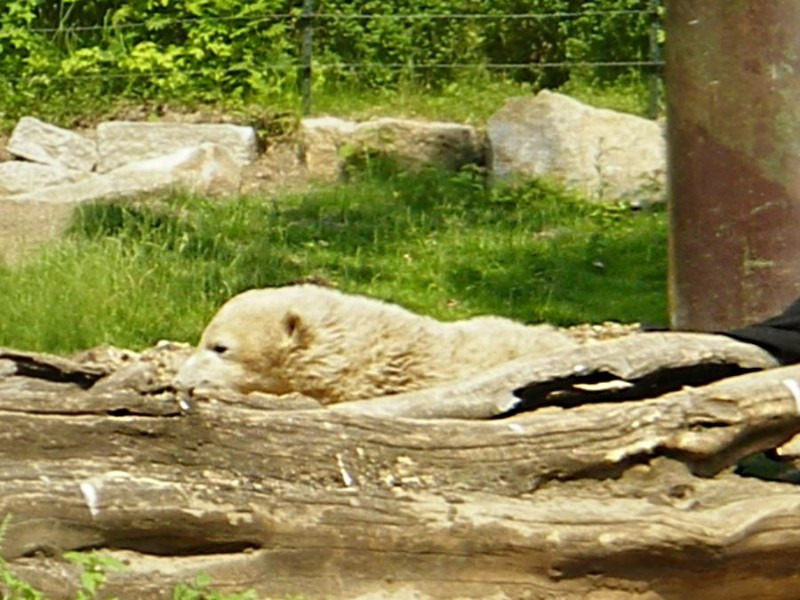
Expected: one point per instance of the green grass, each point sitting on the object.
(471, 99)
(438, 243)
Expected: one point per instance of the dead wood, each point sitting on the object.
(695, 539)
(358, 503)
(51, 368)
(603, 500)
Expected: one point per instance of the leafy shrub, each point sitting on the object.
(237, 51)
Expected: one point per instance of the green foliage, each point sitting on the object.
(11, 586)
(94, 569)
(199, 589)
(438, 243)
(237, 52)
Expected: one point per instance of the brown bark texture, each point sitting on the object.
(609, 475)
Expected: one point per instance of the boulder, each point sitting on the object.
(328, 142)
(27, 225)
(123, 142)
(47, 144)
(607, 155)
(207, 169)
(321, 139)
(32, 219)
(18, 176)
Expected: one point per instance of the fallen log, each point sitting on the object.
(602, 500)
(694, 539)
(49, 367)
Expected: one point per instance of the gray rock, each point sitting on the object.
(321, 139)
(30, 220)
(206, 169)
(328, 141)
(18, 176)
(415, 143)
(605, 154)
(123, 142)
(27, 225)
(47, 144)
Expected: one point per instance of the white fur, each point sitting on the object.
(337, 347)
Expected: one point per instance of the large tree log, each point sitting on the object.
(589, 501)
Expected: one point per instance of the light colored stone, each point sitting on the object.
(605, 154)
(41, 142)
(207, 169)
(327, 142)
(123, 142)
(26, 225)
(18, 176)
(415, 143)
(321, 139)
(32, 219)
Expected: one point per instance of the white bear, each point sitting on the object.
(336, 347)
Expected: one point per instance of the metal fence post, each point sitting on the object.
(306, 54)
(733, 106)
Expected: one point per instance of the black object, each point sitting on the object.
(780, 335)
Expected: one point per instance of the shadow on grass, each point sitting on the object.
(443, 244)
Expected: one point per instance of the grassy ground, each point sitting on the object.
(471, 100)
(461, 101)
(441, 244)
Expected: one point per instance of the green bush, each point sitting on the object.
(239, 51)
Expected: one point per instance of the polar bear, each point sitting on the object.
(337, 347)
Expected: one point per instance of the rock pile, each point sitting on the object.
(608, 156)
(123, 159)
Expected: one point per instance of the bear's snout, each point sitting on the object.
(189, 376)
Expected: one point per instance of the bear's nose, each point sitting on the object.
(181, 385)
(185, 379)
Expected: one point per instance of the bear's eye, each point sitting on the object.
(219, 349)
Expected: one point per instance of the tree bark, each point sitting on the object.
(631, 499)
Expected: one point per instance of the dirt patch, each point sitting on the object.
(277, 169)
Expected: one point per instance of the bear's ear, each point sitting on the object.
(295, 327)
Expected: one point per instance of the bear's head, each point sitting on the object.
(245, 346)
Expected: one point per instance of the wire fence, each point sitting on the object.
(309, 20)
(305, 61)
(292, 16)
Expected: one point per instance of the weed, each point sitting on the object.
(199, 589)
(94, 569)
